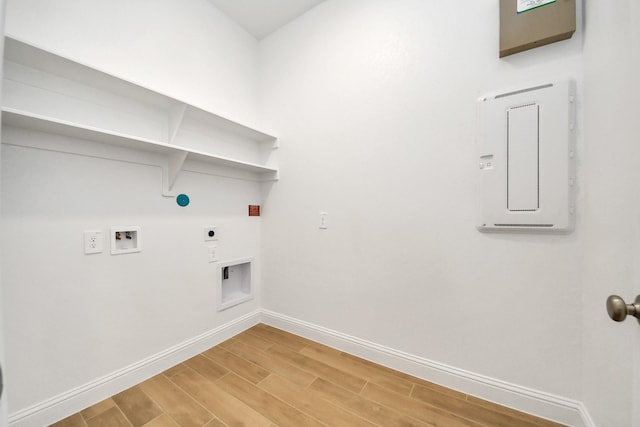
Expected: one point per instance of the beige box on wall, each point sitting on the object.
(537, 27)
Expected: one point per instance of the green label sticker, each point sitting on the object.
(525, 5)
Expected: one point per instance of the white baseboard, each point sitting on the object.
(545, 405)
(72, 401)
(555, 408)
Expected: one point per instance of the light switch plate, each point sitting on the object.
(323, 221)
(213, 253)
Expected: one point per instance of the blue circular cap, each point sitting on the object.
(182, 200)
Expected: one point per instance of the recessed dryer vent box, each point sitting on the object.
(525, 158)
(125, 240)
(234, 282)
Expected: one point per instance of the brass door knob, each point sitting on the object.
(619, 310)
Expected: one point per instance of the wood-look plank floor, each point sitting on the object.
(268, 377)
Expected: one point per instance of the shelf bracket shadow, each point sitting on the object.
(170, 172)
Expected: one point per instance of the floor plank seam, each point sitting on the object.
(359, 393)
(413, 387)
(84, 421)
(284, 403)
(123, 414)
(213, 415)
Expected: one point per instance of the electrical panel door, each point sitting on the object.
(526, 170)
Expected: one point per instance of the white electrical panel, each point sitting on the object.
(526, 144)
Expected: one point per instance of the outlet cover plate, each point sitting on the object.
(92, 241)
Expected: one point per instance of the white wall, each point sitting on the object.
(612, 246)
(375, 102)
(73, 318)
(3, 399)
(185, 49)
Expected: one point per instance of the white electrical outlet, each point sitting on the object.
(210, 233)
(92, 242)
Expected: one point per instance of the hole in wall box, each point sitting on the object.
(233, 282)
(125, 239)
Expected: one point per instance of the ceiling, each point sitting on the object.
(262, 17)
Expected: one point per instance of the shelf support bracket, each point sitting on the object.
(171, 170)
(176, 115)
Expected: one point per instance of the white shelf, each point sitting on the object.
(48, 93)
(27, 120)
